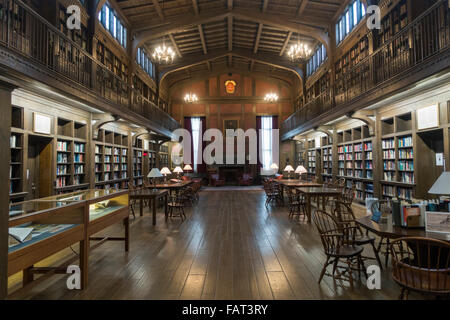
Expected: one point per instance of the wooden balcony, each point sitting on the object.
(417, 52)
(36, 54)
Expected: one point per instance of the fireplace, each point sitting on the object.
(231, 174)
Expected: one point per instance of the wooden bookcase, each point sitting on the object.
(327, 159)
(71, 156)
(164, 156)
(138, 163)
(16, 183)
(355, 160)
(111, 160)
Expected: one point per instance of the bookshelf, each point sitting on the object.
(71, 156)
(327, 159)
(398, 180)
(111, 160)
(138, 162)
(164, 156)
(16, 165)
(355, 160)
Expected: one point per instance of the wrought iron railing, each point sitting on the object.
(426, 36)
(27, 33)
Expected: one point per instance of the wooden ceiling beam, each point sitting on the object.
(265, 5)
(302, 7)
(230, 4)
(202, 39)
(174, 43)
(286, 42)
(180, 25)
(230, 33)
(195, 59)
(158, 9)
(258, 38)
(195, 5)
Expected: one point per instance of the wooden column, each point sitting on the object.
(335, 157)
(377, 158)
(5, 134)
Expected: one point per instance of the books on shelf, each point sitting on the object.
(388, 144)
(62, 146)
(79, 148)
(405, 142)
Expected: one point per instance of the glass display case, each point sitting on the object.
(39, 229)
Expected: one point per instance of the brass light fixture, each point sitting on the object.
(299, 51)
(190, 98)
(271, 97)
(163, 54)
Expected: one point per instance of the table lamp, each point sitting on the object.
(154, 174)
(289, 169)
(178, 170)
(165, 171)
(442, 185)
(274, 167)
(301, 170)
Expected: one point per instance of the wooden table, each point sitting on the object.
(392, 232)
(172, 186)
(322, 192)
(151, 195)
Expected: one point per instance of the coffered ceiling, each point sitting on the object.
(230, 34)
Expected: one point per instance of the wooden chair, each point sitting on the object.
(337, 250)
(297, 204)
(246, 180)
(348, 195)
(421, 265)
(176, 203)
(353, 233)
(216, 181)
(385, 207)
(272, 193)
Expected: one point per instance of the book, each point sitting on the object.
(20, 234)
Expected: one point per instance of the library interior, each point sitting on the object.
(327, 122)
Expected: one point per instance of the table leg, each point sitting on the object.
(141, 209)
(84, 262)
(324, 205)
(27, 276)
(166, 204)
(308, 207)
(154, 211)
(127, 234)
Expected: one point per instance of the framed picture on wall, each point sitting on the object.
(42, 123)
(230, 124)
(428, 117)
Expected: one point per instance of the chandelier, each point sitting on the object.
(163, 54)
(271, 97)
(190, 98)
(299, 51)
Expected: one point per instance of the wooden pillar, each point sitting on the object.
(378, 170)
(335, 157)
(5, 134)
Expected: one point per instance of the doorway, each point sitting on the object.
(39, 167)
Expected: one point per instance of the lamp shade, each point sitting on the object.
(187, 168)
(442, 185)
(178, 170)
(301, 170)
(274, 166)
(165, 171)
(155, 173)
(289, 168)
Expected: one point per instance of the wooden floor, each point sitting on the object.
(231, 247)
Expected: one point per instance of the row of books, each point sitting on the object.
(405, 142)
(389, 154)
(13, 141)
(79, 148)
(388, 144)
(62, 158)
(62, 146)
(62, 182)
(79, 158)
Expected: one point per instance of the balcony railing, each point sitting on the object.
(27, 33)
(426, 36)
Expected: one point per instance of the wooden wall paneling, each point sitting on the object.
(5, 133)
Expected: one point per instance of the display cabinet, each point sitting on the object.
(39, 229)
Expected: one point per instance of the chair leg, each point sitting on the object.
(377, 256)
(324, 269)
(387, 251)
(361, 264)
(350, 273)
